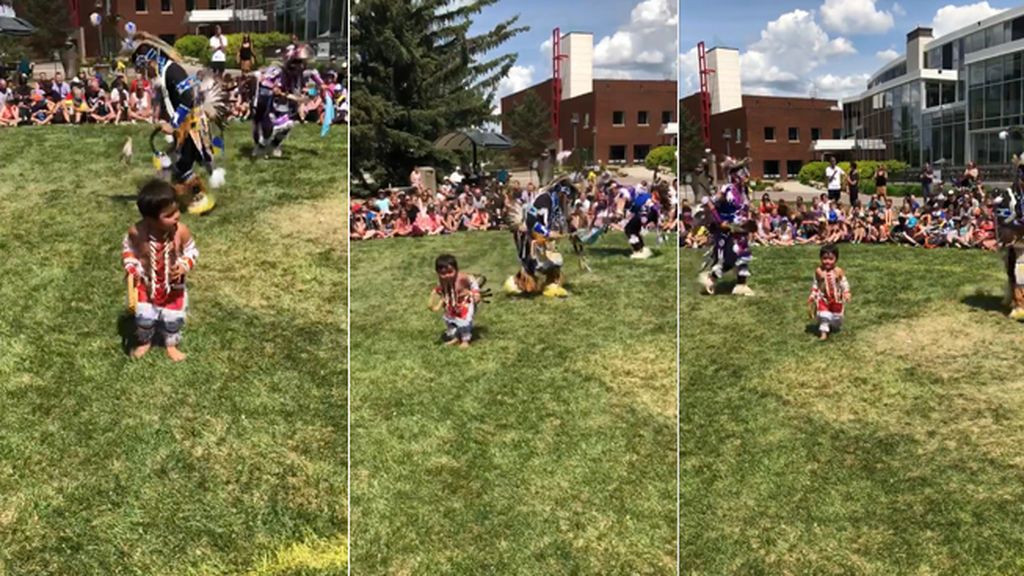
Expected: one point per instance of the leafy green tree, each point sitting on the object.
(528, 124)
(53, 31)
(52, 22)
(661, 157)
(417, 74)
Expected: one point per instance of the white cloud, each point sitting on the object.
(518, 78)
(832, 86)
(689, 71)
(643, 48)
(545, 47)
(887, 55)
(898, 9)
(950, 17)
(783, 61)
(790, 47)
(855, 17)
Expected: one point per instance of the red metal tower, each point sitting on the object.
(556, 79)
(705, 95)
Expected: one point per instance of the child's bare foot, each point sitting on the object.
(824, 336)
(174, 354)
(140, 351)
(464, 344)
(451, 342)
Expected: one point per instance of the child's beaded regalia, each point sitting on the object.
(278, 93)
(1010, 232)
(535, 235)
(458, 294)
(187, 111)
(156, 298)
(728, 219)
(830, 292)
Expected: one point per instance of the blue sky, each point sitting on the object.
(824, 47)
(632, 38)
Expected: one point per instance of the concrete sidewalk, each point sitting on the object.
(792, 189)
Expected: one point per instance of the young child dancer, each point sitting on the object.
(158, 251)
(829, 293)
(458, 293)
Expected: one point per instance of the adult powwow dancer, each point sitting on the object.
(1010, 232)
(278, 94)
(536, 233)
(727, 216)
(186, 111)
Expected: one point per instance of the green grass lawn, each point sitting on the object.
(548, 447)
(892, 448)
(232, 462)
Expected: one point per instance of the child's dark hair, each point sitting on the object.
(154, 197)
(445, 261)
(829, 249)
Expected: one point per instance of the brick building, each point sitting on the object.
(311, 20)
(610, 121)
(781, 132)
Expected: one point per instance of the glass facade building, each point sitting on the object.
(949, 98)
(311, 19)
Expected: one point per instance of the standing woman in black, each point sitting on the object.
(853, 181)
(245, 55)
(881, 181)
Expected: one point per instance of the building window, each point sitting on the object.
(618, 118)
(140, 6)
(169, 38)
(666, 116)
(771, 168)
(794, 134)
(640, 152)
(190, 5)
(815, 133)
(837, 133)
(769, 134)
(165, 5)
(739, 135)
(617, 154)
(793, 168)
(641, 118)
(586, 119)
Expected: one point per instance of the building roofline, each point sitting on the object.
(1008, 14)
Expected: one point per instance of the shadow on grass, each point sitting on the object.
(608, 251)
(126, 198)
(246, 152)
(126, 330)
(987, 302)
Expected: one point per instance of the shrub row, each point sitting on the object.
(815, 171)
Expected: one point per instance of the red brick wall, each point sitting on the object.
(153, 20)
(630, 97)
(778, 112)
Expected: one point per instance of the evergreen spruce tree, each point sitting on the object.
(418, 74)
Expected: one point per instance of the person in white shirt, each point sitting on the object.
(218, 52)
(834, 180)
